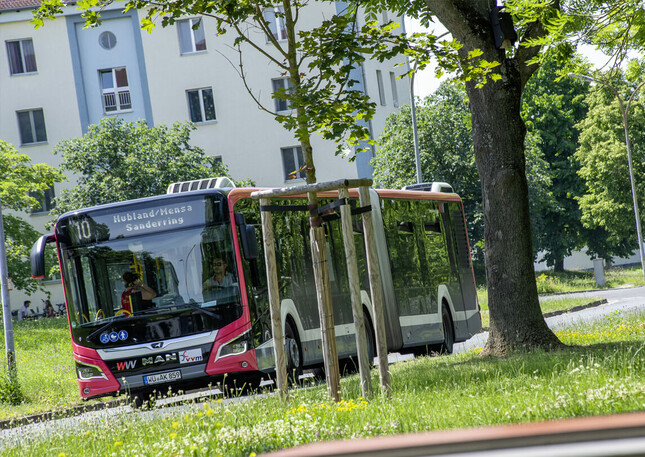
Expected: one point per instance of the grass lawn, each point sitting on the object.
(602, 372)
(46, 367)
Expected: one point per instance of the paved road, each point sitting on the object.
(625, 300)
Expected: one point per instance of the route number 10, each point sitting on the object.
(83, 229)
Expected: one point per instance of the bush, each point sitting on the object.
(10, 391)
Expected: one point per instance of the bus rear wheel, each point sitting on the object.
(448, 332)
(293, 353)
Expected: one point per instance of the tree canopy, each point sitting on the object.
(607, 204)
(117, 160)
(551, 108)
(446, 154)
(21, 185)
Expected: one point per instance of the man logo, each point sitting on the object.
(159, 359)
(157, 345)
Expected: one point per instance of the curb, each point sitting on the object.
(564, 311)
(576, 308)
(58, 414)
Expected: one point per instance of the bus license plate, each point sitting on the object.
(162, 377)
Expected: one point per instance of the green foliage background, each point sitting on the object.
(20, 183)
(117, 160)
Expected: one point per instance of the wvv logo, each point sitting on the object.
(126, 365)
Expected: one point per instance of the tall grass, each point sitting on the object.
(602, 372)
(45, 367)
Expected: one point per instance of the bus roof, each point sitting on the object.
(153, 199)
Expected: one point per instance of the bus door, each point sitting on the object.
(460, 263)
(455, 283)
(466, 275)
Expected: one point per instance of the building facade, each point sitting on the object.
(57, 80)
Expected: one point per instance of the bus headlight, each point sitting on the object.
(236, 346)
(86, 371)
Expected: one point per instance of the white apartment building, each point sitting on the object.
(61, 78)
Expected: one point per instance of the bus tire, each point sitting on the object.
(448, 331)
(293, 353)
(371, 339)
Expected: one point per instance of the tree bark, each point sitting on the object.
(516, 320)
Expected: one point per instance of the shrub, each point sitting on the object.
(10, 391)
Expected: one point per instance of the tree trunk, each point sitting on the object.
(559, 265)
(516, 320)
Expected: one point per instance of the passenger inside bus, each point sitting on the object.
(137, 295)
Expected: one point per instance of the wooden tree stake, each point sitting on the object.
(325, 310)
(355, 292)
(274, 302)
(376, 290)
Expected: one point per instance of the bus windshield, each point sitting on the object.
(152, 274)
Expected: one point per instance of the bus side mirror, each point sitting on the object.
(250, 243)
(37, 256)
(248, 238)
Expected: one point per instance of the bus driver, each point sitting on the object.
(220, 277)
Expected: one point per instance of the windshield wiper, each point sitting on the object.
(202, 310)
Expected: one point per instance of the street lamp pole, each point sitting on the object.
(415, 135)
(625, 111)
(6, 307)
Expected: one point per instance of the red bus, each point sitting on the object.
(171, 290)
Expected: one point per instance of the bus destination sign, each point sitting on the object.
(132, 220)
(146, 220)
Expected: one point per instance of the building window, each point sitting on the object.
(275, 21)
(395, 93)
(115, 90)
(21, 56)
(32, 126)
(107, 40)
(293, 163)
(191, 36)
(281, 84)
(381, 89)
(46, 201)
(201, 105)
